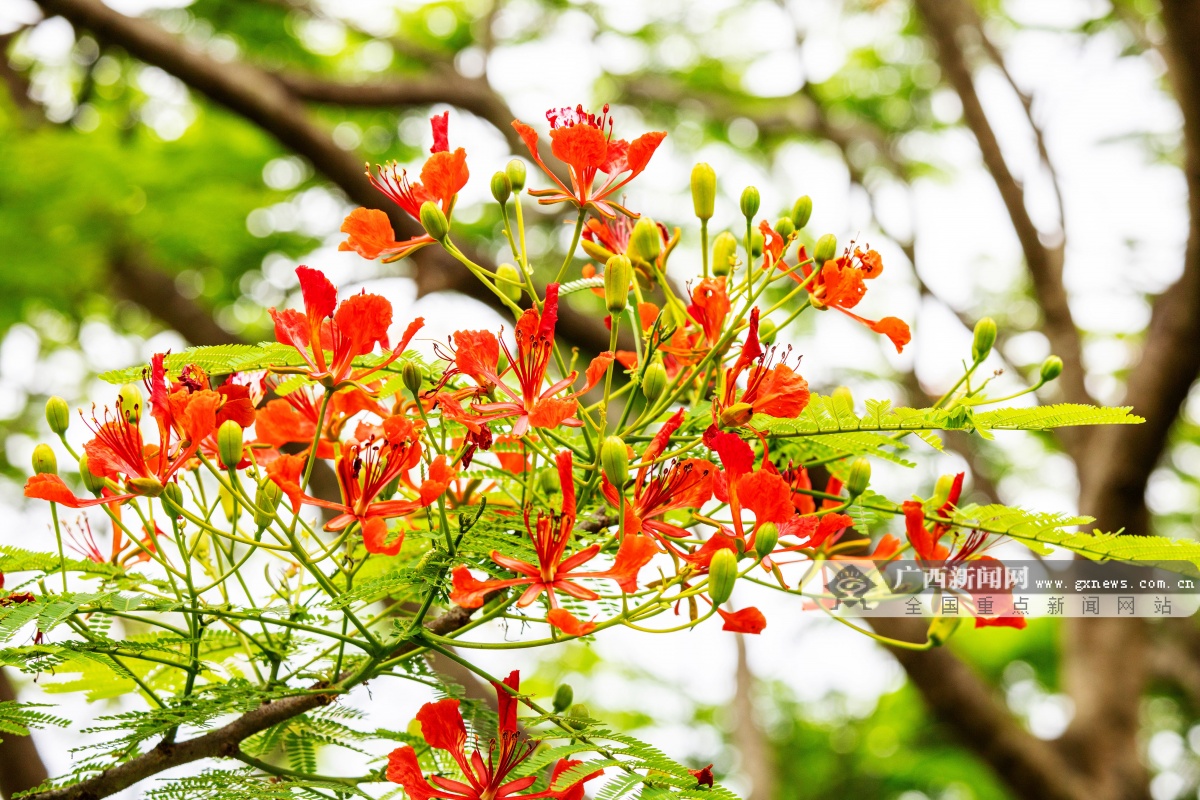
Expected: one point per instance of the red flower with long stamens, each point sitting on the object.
(292, 418)
(777, 391)
(444, 174)
(841, 284)
(710, 306)
(683, 484)
(83, 541)
(443, 728)
(812, 529)
(581, 142)
(477, 356)
(365, 470)
(761, 491)
(554, 572)
(347, 331)
(185, 420)
(926, 543)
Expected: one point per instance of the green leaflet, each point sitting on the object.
(248, 784)
(1040, 531)
(229, 358)
(663, 775)
(826, 417)
(17, 718)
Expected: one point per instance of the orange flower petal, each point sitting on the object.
(566, 622)
(895, 329)
(748, 620)
(369, 233)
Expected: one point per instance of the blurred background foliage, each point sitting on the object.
(137, 214)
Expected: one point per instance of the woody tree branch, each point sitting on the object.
(753, 746)
(265, 101)
(959, 698)
(224, 742)
(946, 22)
(1104, 660)
(470, 94)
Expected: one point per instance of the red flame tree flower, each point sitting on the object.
(443, 176)
(329, 336)
(443, 729)
(583, 143)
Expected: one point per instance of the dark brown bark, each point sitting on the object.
(1105, 661)
(961, 700)
(154, 290)
(469, 94)
(21, 766)
(265, 100)
(753, 746)
(945, 21)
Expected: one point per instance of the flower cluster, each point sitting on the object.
(695, 387)
(654, 479)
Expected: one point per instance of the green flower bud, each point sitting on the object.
(614, 461)
(617, 273)
(44, 460)
(130, 398)
(507, 273)
(985, 337)
(563, 697)
(410, 373)
(548, 479)
(785, 227)
(434, 221)
(750, 202)
(145, 487)
(228, 503)
(860, 477)
(577, 716)
(516, 174)
(722, 574)
(266, 501)
(229, 444)
(645, 242)
(596, 251)
(941, 629)
(844, 397)
(172, 499)
(58, 415)
(93, 483)
(501, 188)
(654, 381)
(941, 490)
(756, 244)
(825, 249)
(724, 257)
(1052, 367)
(802, 212)
(736, 415)
(765, 539)
(704, 190)
(766, 332)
